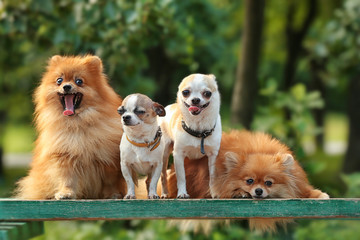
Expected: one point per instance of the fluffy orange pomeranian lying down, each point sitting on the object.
(249, 165)
(79, 131)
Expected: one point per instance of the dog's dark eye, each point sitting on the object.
(186, 93)
(79, 82)
(207, 94)
(250, 181)
(121, 110)
(59, 81)
(139, 112)
(268, 183)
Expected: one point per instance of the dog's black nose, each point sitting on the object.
(195, 100)
(67, 87)
(258, 191)
(126, 118)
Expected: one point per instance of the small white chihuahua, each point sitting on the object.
(193, 126)
(141, 147)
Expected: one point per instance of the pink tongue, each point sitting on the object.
(69, 105)
(194, 109)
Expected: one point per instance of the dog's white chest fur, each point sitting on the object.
(191, 146)
(140, 159)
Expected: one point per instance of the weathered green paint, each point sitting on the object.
(20, 230)
(11, 209)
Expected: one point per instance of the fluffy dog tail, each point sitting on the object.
(31, 189)
(140, 190)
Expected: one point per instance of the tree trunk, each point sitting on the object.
(294, 45)
(162, 68)
(294, 40)
(246, 82)
(316, 68)
(352, 158)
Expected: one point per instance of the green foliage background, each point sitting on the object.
(148, 46)
(139, 41)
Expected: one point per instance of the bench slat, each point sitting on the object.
(12, 209)
(20, 230)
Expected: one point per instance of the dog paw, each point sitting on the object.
(164, 196)
(65, 195)
(241, 194)
(129, 196)
(116, 196)
(153, 196)
(246, 195)
(183, 196)
(324, 196)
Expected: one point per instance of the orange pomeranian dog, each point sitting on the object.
(253, 165)
(79, 131)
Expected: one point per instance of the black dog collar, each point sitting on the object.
(198, 134)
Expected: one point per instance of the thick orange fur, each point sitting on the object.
(75, 156)
(243, 155)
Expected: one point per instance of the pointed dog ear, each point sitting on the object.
(54, 59)
(159, 109)
(231, 160)
(94, 63)
(212, 76)
(287, 160)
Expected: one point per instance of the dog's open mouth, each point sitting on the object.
(70, 102)
(196, 109)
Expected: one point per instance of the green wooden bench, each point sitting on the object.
(20, 230)
(21, 219)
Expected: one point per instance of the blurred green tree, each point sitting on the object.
(146, 46)
(338, 51)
